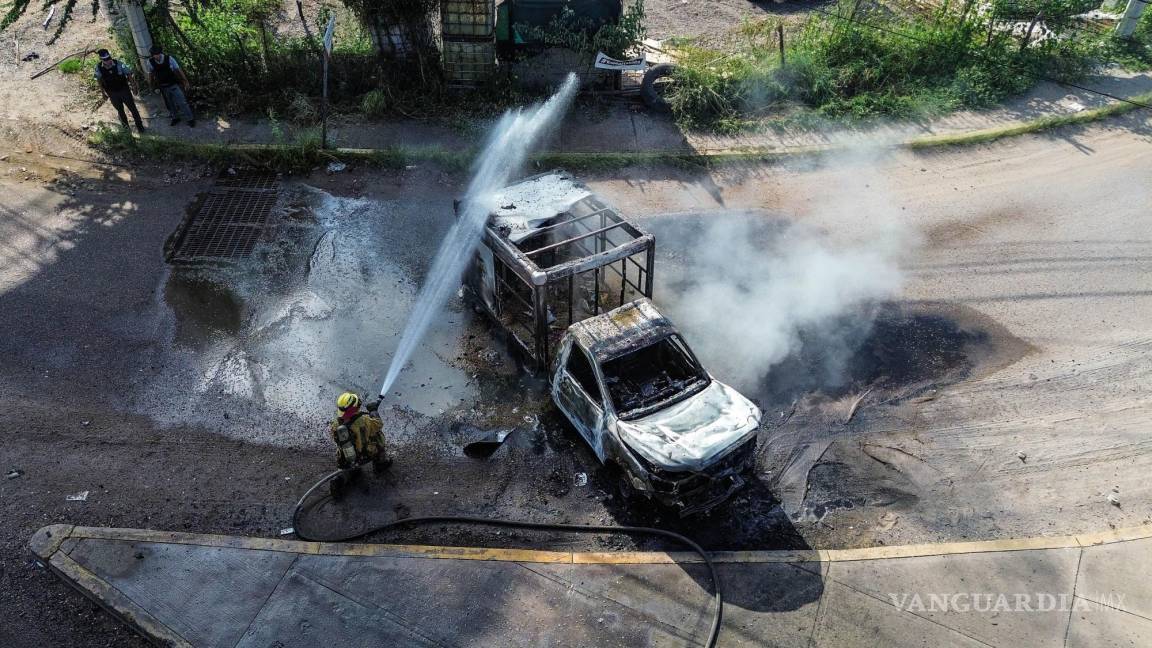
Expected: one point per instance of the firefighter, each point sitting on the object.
(359, 435)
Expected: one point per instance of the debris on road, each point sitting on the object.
(581, 479)
(1021, 456)
(928, 397)
(856, 405)
(1114, 499)
(13, 474)
(887, 521)
(336, 167)
(287, 531)
(82, 496)
(487, 445)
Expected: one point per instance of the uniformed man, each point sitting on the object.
(166, 74)
(115, 80)
(359, 435)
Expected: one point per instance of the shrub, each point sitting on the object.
(870, 61)
(75, 65)
(302, 111)
(581, 34)
(237, 64)
(375, 104)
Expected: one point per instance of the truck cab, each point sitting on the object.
(631, 386)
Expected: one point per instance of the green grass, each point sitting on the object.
(870, 60)
(74, 65)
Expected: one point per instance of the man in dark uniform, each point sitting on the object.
(115, 80)
(166, 74)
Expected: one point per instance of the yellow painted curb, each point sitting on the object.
(59, 539)
(115, 601)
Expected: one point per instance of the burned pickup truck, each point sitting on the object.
(632, 387)
(568, 280)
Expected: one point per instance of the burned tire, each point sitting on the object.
(621, 486)
(652, 87)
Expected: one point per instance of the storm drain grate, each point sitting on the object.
(247, 179)
(229, 221)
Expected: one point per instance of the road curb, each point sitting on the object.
(53, 546)
(56, 540)
(399, 157)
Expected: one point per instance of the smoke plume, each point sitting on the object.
(751, 288)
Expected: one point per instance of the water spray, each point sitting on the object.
(513, 137)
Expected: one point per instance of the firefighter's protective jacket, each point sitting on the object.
(367, 434)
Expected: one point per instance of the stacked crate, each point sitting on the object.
(468, 34)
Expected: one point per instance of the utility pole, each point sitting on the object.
(1131, 18)
(141, 36)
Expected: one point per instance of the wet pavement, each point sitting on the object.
(1002, 392)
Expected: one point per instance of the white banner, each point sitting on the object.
(605, 62)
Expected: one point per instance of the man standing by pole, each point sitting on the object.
(115, 80)
(166, 74)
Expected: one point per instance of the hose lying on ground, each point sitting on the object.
(713, 632)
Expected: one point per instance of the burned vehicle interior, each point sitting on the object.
(554, 254)
(652, 376)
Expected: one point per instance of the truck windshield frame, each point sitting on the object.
(652, 377)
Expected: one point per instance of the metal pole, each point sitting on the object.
(780, 33)
(324, 106)
(650, 264)
(1131, 18)
(329, 32)
(540, 313)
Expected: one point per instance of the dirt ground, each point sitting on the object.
(1004, 394)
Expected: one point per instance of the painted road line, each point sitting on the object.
(59, 539)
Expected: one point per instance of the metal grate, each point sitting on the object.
(229, 222)
(247, 179)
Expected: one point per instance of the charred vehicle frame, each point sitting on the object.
(568, 279)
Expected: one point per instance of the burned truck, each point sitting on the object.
(629, 383)
(568, 279)
(553, 253)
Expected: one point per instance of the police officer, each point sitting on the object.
(166, 74)
(115, 80)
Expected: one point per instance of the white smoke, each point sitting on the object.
(754, 287)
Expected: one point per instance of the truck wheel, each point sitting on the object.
(622, 486)
(654, 85)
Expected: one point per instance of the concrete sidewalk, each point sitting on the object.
(202, 590)
(624, 128)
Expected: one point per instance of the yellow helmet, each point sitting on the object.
(347, 400)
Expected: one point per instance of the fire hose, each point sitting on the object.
(717, 617)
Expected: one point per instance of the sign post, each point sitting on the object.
(328, 31)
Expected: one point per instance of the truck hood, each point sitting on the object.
(693, 433)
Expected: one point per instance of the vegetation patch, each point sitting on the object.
(856, 61)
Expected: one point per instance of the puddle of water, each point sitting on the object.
(209, 308)
(310, 316)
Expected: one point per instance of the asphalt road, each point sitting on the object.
(1026, 268)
